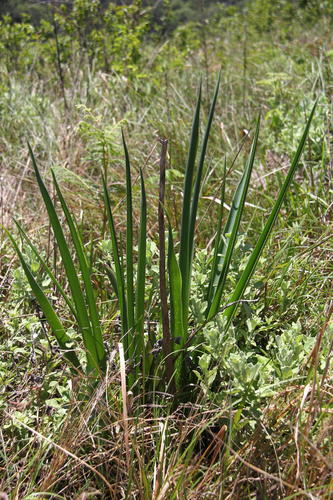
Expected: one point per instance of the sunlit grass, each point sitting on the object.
(236, 439)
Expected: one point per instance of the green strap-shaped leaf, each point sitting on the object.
(86, 275)
(184, 255)
(140, 280)
(112, 277)
(118, 269)
(50, 314)
(231, 232)
(47, 268)
(73, 280)
(129, 251)
(197, 186)
(255, 255)
(217, 242)
(178, 330)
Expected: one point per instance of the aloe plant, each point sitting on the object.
(130, 289)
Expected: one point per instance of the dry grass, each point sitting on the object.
(192, 453)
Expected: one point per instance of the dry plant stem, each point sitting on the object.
(297, 436)
(124, 396)
(268, 475)
(315, 351)
(59, 65)
(161, 459)
(73, 433)
(314, 356)
(63, 450)
(163, 289)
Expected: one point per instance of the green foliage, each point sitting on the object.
(131, 296)
(263, 15)
(18, 10)
(108, 38)
(89, 35)
(69, 88)
(244, 370)
(15, 39)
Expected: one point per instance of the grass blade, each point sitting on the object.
(113, 278)
(197, 186)
(254, 257)
(217, 243)
(178, 330)
(46, 268)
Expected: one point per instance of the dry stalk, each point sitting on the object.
(73, 434)
(161, 461)
(63, 452)
(124, 396)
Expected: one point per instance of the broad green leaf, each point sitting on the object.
(86, 275)
(232, 226)
(140, 280)
(254, 257)
(73, 280)
(184, 255)
(50, 314)
(118, 268)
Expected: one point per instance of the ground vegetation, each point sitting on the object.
(166, 250)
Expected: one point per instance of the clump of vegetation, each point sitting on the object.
(159, 340)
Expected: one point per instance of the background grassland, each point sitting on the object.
(261, 423)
